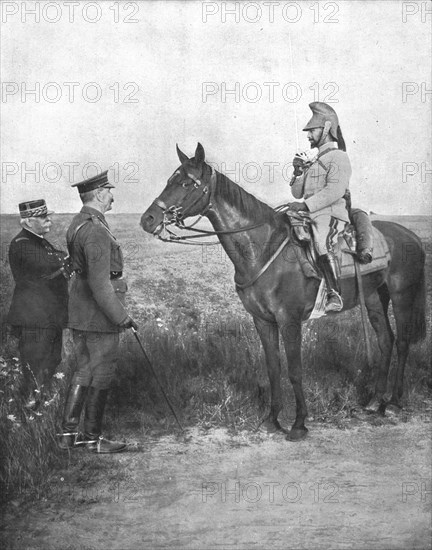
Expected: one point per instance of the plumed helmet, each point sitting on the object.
(323, 113)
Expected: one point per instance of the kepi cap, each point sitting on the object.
(34, 209)
(100, 180)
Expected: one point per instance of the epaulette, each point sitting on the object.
(22, 239)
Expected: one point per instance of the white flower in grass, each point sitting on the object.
(59, 375)
(11, 417)
(31, 417)
(38, 413)
(10, 400)
(15, 359)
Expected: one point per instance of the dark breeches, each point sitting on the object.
(40, 350)
(96, 358)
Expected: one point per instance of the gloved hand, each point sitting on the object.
(298, 206)
(128, 323)
(299, 165)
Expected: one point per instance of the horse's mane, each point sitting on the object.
(252, 207)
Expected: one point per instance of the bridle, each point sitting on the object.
(176, 213)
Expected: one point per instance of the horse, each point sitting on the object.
(274, 290)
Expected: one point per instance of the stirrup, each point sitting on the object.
(333, 306)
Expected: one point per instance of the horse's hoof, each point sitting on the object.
(392, 410)
(269, 426)
(373, 406)
(296, 434)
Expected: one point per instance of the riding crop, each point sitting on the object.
(156, 378)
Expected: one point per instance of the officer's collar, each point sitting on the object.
(93, 212)
(41, 237)
(328, 145)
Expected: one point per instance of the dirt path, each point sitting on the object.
(365, 487)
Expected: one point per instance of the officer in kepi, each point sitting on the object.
(97, 315)
(323, 183)
(38, 311)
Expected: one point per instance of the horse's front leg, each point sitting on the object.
(269, 335)
(291, 333)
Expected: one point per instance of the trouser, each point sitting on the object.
(40, 351)
(326, 230)
(96, 356)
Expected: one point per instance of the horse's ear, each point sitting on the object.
(182, 157)
(199, 154)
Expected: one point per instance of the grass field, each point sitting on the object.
(205, 349)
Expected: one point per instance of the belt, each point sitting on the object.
(113, 274)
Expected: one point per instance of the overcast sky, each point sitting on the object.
(144, 76)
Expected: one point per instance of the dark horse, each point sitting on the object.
(281, 297)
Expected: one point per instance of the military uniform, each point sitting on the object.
(323, 184)
(97, 315)
(38, 311)
(97, 296)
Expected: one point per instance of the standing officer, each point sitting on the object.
(38, 312)
(97, 315)
(323, 184)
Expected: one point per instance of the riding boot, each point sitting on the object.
(330, 268)
(71, 416)
(94, 411)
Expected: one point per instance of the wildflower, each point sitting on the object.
(59, 375)
(31, 417)
(15, 359)
(10, 400)
(38, 413)
(11, 417)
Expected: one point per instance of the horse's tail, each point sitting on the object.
(418, 315)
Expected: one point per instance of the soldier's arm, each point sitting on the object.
(338, 176)
(297, 187)
(97, 250)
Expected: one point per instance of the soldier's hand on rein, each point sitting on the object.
(129, 323)
(298, 206)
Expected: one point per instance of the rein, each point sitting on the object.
(178, 215)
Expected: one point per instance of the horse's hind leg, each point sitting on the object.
(377, 307)
(402, 310)
(269, 335)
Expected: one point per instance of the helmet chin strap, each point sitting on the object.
(325, 132)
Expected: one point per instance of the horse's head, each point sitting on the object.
(187, 193)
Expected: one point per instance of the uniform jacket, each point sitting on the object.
(96, 302)
(38, 301)
(324, 183)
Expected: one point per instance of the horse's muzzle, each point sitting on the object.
(151, 221)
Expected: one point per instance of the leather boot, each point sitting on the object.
(330, 268)
(94, 411)
(71, 416)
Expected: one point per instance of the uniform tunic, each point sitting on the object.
(97, 297)
(323, 186)
(96, 301)
(38, 311)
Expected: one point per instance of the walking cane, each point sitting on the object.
(156, 378)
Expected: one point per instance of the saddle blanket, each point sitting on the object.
(381, 259)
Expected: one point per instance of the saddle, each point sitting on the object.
(358, 236)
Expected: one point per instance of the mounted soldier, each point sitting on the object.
(38, 312)
(97, 315)
(323, 183)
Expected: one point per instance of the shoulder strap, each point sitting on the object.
(321, 155)
(74, 234)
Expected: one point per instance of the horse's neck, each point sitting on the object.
(233, 208)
